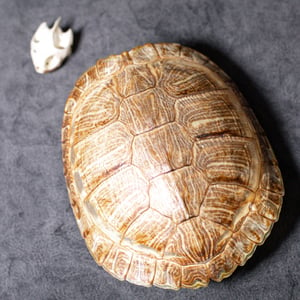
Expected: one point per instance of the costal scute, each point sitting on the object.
(171, 179)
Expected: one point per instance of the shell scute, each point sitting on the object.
(194, 241)
(209, 114)
(227, 159)
(169, 198)
(167, 275)
(130, 197)
(143, 54)
(168, 50)
(161, 150)
(101, 106)
(146, 111)
(106, 68)
(134, 79)
(151, 230)
(194, 276)
(112, 147)
(142, 270)
(180, 79)
(118, 262)
(223, 203)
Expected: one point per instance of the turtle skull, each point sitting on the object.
(50, 46)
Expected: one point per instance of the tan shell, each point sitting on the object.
(171, 179)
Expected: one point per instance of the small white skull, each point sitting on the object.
(50, 46)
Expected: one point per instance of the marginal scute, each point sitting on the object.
(74, 199)
(67, 124)
(256, 227)
(167, 275)
(65, 132)
(222, 266)
(271, 176)
(82, 82)
(73, 96)
(197, 57)
(168, 50)
(268, 210)
(241, 248)
(100, 248)
(142, 270)
(117, 262)
(92, 74)
(70, 105)
(269, 204)
(107, 67)
(262, 222)
(171, 179)
(122, 263)
(267, 152)
(195, 276)
(143, 54)
(271, 179)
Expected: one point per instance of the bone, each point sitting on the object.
(50, 47)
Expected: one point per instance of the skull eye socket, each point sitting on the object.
(48, 61)
(51, 62)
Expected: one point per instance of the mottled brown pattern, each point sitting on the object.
(171, 178)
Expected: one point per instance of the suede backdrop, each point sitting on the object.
(42, 255)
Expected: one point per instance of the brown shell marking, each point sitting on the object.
(171, 178)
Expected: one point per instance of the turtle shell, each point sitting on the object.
(171, 179)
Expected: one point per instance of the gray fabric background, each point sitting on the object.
(42, 255)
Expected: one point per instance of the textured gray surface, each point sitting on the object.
(42, 255)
